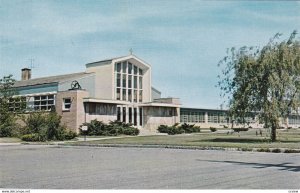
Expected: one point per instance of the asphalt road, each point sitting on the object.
(53, 167)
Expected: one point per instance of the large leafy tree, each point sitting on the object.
(263, 80)
(7, 116)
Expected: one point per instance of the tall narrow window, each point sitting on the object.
(130, 114)
(119, 113)
(140, 72)
(135, 116)
(141, 117)
(124, 114)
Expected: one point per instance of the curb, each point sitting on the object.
(266, 150)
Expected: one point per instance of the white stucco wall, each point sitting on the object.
(103, 81)
(87, 83)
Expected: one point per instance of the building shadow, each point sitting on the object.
(287, 166)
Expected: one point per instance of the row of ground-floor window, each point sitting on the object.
(189, 115)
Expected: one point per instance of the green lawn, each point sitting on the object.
(286, 139)
(10, 140)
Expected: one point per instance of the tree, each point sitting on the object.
(7, 116)
(265, 81)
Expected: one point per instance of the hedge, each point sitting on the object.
(178, 129)
(114, 128)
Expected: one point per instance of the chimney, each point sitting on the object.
(26, 74)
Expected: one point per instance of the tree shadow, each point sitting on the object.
(236, 140)
(243, 140)
(282, 166)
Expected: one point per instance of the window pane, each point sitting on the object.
(140, 96)
(67, 104)
(141, 82)
(118, 94)
(67, 100)
(50, 96)
(118, 67)
(135, 82)
(124, 67)
(129, 81)
(140, 71)
(92, 108)
(135, 96)
(130, 95)
(135, 70)
(118, 80)
(43, 97)
(124, 80)
(124, 95)
(129, 68)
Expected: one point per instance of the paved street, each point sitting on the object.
(52, 167)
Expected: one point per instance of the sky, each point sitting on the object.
(182, 40)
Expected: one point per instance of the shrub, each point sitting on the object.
(291, 151)
(213, 129)
(189, 128)
(32, 137)
(131, 131)
(95, 127)
(246, 149)
(263, 150)
(240, 129)
(163, 129)
(9, 129)
(114, 128)
(276, 150)
(35, 122)
(65, 134)
(47, 126)
(178, 129)
(170, 130)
